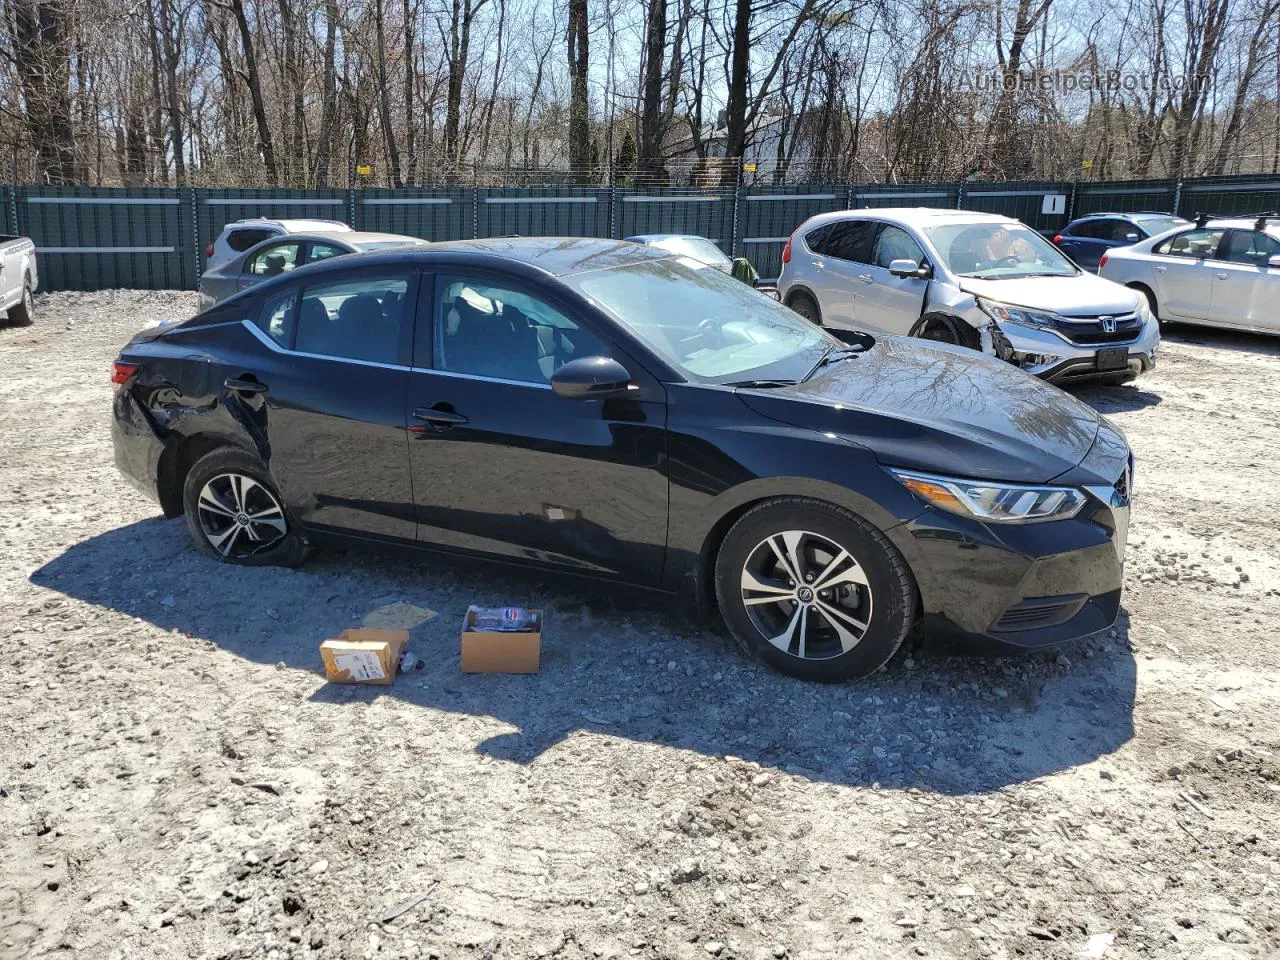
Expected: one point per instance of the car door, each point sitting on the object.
(504, 466)
(893, 304)
(271, 260)
(1183, 272)
(326, 395)
(1082, 244)
(843, 268)
(1245, 287)
(835, 299)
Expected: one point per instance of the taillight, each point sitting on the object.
(786, 251)
(1057, 238)
(208, 251)
(121, 372)
(1103, 262)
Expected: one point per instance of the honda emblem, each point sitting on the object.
(1108, 324)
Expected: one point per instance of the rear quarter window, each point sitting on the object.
(242, 240)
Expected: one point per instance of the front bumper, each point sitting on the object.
(1028, 585)
(1054, 358)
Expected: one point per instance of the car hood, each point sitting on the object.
(940, 409)
(1084, 295)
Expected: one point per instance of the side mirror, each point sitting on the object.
(907, 268)
(591, 378)
(1274, 261)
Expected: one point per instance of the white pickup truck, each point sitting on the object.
(18, 279)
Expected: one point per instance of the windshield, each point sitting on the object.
(998, 251)
(711, 327)
(700, 248)
(1155, 225)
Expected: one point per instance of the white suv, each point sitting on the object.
(974, 279)
(239, 235)
(1221, 272)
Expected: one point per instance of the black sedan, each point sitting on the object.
(612, 411)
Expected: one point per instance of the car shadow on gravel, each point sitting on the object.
(1116, 399)
(612, 665)
(1216, 338)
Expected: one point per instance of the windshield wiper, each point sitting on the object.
(831, 355)
(761, 384)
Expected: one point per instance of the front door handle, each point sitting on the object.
(244, 386)
(866, 278)
(1161, 269)
(1221, 276)
(441, 418)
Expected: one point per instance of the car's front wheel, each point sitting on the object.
(813, 590)
(235, 513)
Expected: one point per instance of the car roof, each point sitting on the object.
(918, 216)
(655, 237)
(558, 256)
(1132, 215)
(291, 226)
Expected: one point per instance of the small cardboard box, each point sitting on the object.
(364, 655)
(501, 651)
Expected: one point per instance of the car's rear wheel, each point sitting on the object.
(806, 306)
(813, 590)
(22, 313)
(235, 513)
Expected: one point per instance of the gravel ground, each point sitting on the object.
(176, 779)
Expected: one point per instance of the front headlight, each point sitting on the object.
(1144, 310)
(994, 501)
(1009, 313)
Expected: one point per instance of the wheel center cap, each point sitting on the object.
(805, 595)
(242, 519)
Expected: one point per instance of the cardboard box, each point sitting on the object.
(364, 655)
(501, 651)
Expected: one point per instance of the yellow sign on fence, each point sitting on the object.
(364, 169)
(748, 168)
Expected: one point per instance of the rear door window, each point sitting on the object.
(363, 319)
(852, 240)
(274, 260)
(277, 317)
(324, 251)
(1193, 244)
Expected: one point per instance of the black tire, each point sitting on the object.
(888, 594)
(943, 328)
(227, 503)
(806, 306)
(22, 313)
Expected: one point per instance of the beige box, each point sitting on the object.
(501, 651)
(364, 655)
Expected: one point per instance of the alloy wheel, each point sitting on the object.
(807, 595)
(28, 301)
(239, 516)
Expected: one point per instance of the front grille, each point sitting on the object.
(1088, 331)
(1036, 612)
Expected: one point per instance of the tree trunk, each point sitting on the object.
(254, 80)
(41, 36)
(329, 99)
(169, 53)
(650, 146)
(384, 97)
(579, 127)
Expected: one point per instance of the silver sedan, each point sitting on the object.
(282, 254)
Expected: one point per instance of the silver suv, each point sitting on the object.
(974, 279)
(239, 235)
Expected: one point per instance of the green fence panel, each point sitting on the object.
(543, 212)
(216, 208)
(1040, 204)
(767, 216)
(1126, 196)
(1230, 196)
(881, 195)
(706, 213)
(97, 238)
(430, 214)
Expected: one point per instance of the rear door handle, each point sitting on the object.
(1221, 276)
(439, 417)
(819, 265)
(244, 386)
(866, 278)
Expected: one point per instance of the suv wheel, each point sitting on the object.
(23, 312)
(813, 590)
(806, 306)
